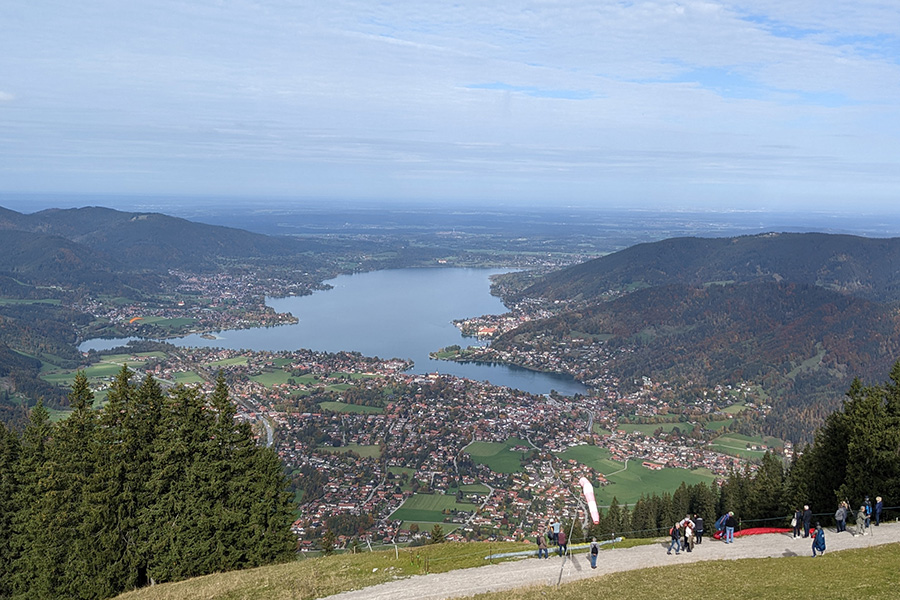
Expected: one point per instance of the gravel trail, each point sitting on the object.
(531, 571)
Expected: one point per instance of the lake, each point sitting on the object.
(398, 313)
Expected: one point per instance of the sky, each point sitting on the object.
(756, 104)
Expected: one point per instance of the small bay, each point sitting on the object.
(397, 313)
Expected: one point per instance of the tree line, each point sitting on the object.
(153, 487)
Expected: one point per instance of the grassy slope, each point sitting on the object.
(863, 573)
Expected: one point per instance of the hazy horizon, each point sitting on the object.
(695, 105)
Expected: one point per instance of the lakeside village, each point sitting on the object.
(391, 453)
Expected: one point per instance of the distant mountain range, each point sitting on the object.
(863, 267)
(798, 314)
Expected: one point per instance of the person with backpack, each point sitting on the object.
(818, 540)
(675, 532)
(698, 528)
(543, 551)
(595, 550)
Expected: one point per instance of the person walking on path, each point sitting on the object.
(861, 520)
(595, 550)
(807, 519)
(676, 539)
(562, 543)
(543, 551)
(879, 506)
(698, 528)
(730, 524)
(819, 540)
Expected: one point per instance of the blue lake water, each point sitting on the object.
(400, 313)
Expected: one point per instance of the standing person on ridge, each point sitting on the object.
(543, 551)
(698, 528)
(807, 519)
(879, 505)
(861, 520)
(840, 518)
(595, 550)
(562, 543)
(730, 524)
(797, 522)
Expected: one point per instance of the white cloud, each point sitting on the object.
(6, 96)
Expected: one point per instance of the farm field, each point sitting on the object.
(649, 428)
(628, 485)
(228, 362)
(498, 457)
(593, 457)
(736, 445)
(187, 378)
(428, 508)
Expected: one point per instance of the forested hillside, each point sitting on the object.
(153, 487)
(864, 267)
(794, 314)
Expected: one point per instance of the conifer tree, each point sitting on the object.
(9, 456)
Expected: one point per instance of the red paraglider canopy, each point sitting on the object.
(754, 531)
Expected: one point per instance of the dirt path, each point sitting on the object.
(531, 571)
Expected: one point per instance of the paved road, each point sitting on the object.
(531, 571)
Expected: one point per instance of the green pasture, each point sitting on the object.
(717, 425)
(735, 444)
(601, 431)
(187, 378)
(351, 376)
(428, 508)
(628, 485)
(734, 409)
(229, 362)
(93, 372)
(593, 457)
(270, 378)
(475, 488)
(363, 451)
(498, 457)
(649, 428)
(10, 301)
(343, 407)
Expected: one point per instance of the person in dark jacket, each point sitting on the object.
(797, 522)
(730, 524)
(676, 539)
(879, 506)
(819, 540)
(840, 517)
(807, 518)
(698, 528)
(562, 543)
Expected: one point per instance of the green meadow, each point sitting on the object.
(343, 407)
(429, 508)
(498, 457)
(735, 444)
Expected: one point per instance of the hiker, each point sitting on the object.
(676, 539)
(796, 522)
(840, 518)
(868, 506)
(554, 528)
(879, 505)
(807, 518)
(561, 543)
(819, 540)
(543, 551)
(861, 520)
(688, 542)
(730, 524)
(698, 528)
(595, 550)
